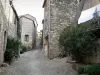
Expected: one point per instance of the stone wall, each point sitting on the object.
(3, 32)
(46, 18)
(34, 37)
(58, 14)
(7, 25)
(90, 3)
(46, 27)
(62, 14)
(28, 27)
(26, 30)
(11, 17)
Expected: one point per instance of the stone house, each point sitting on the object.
(14, 29)
(3, 31)
(12, 18)
(9, 25)
(58, 14)
(29, 30)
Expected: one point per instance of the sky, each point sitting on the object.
(32, 7)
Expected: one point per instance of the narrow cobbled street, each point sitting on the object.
(35, 63)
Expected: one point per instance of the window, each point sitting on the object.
(26, 38)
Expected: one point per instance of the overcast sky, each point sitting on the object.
(32, 7)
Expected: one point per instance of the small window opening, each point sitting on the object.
(26, 38)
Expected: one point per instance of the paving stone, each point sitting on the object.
(35, 63)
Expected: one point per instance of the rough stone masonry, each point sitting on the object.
(58, 14)
(3, 32)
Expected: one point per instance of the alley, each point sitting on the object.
(35, 63)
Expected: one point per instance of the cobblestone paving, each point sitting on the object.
(35, 63)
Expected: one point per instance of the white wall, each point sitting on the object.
(27, 29)
(7, 25)
(10, 15)
(3, 28)
(12, 27)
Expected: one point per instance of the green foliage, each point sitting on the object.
(8, 56)
(81, 70)
(12, 49)
(2, 73)
(23, 49)
(63, 42)
(93, 69)
(78, 42)
(90, 69)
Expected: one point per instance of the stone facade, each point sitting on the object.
(58, 14)
(14, 25)
(9, 25)
(90, 3)
(10, 16)
(29, 29)
(3, 32)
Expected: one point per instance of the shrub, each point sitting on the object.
(8, 56)
(90, 69)
(2, 73)
(78, 42)
(81, 70)
(93, 69)
(62, 42)
(23, 49)
(12, 49)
